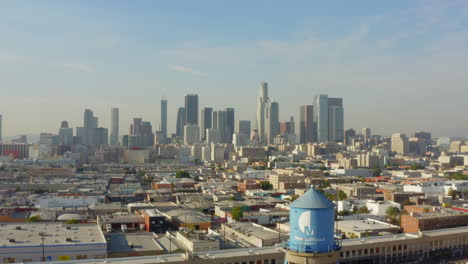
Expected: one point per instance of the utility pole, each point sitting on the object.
(43, 246)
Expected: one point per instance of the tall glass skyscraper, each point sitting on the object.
(271, 121)
(164, 118)
(262, 102)
(206, 121)
(229, 125)
(306, 126)
(191, 109)
(321, 117)
(328, 118)
(180, 122)
(114, 136)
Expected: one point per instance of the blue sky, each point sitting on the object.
(399, 65)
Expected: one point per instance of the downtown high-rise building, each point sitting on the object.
(90, 133)
(335, 120)
(1, 128)
(180, 123)
(191, 109)
(140, 135)
(261, 109)
(366, 132)
(321, 117)
(328, 118)
(114, 136)
(271, 121)
(221, 125)
(205, 122)
(399, 144)
(243, 127)
(230, 122)
(65, 135)
(164, 118)
(306, 124)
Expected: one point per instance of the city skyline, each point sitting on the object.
(388, 60)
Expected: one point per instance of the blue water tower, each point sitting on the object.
(312, 224)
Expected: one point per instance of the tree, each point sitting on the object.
(392, 211)
(72, 221)
(417, 166)
(377, 172)
(232, 198)
(182, 174)
(294, 197)
(344, 213)
(452, 193)
(237, 213)
(33, 219)
(363, 210)
(458, 176)
(325, 184)
(266, 186)
(341, 195)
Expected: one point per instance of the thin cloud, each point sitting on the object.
(79, 67)
(185, 69)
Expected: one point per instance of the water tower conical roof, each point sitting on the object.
(312, 199)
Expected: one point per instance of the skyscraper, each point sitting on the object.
(400, 143)
(221, 126)
(321, 117)
(141, 134)
(230, 119)
(366, 132)
(262, 102)
(65, 136)
(243, 127)
(180, 122)
(335, 119)
(1, 127)
(191, 134)
(206, 121)
(90, 133)
(214, 120)
(114, 137)
(164, 118)
(191, 109)
(328, 118)
(271, 121)
(306, 127)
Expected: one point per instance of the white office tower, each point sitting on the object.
(212, 136)
(217, 153)
(206, 153)
(399, 143)
(191, 134)
(114, 137)
(261, 109)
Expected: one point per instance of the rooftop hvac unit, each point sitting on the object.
(12, 240)
(69, 239)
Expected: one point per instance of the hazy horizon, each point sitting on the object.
(399, 66)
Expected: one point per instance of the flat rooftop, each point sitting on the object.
(121, 243)
(250, 229)
(27, 234)
(363, 225)
(219, 254)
